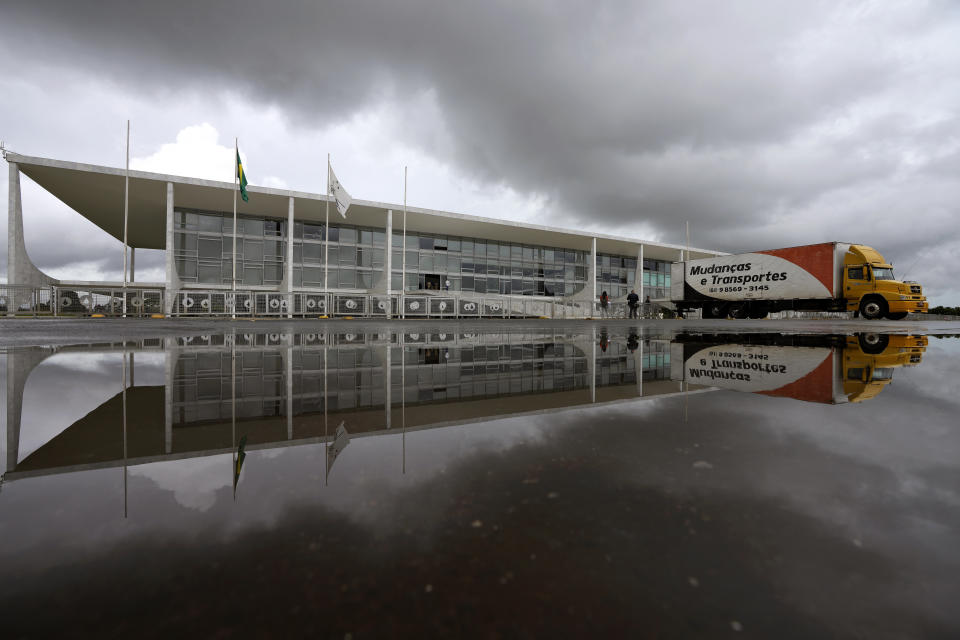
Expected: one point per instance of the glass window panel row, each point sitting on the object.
(204, 248)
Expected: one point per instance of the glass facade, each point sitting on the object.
(656, 279)
(357, 256)
(203, 251)
(472, 265)
(353, 376)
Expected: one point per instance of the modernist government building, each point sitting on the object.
(289, 263)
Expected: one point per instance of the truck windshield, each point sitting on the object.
(883, 273)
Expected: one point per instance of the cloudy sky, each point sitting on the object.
(763, 123)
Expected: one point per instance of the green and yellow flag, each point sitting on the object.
(242, 175)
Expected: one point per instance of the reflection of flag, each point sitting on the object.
(241, 456)
(242, 175)
(339, 194)
(340, 441)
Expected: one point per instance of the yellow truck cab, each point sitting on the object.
(869, 361)
(871, 290)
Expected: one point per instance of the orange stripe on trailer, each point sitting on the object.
(816, 386)
(817, 259)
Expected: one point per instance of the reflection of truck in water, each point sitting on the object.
(832, 276)
(827, 369)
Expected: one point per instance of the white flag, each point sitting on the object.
(340, 441)
(339, 194)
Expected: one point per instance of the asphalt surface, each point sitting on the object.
(16, 332)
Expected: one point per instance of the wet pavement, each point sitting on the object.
(662, 479)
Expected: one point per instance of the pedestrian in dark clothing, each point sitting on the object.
(604, 305)
(633, 341)
(633, 301)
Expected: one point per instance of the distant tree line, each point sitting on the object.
(946, 311)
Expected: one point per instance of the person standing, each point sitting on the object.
(633, 301)
(604, 305)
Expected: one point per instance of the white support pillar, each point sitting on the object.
(20, 270)
(169, 365)
(592, 369)
(288, 278)
(387, 384)
(639, 275)
(289, 358)
(172, 282)
(638, 363)
(592, 274)
(388, 267)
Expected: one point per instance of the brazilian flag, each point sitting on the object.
(242, 175)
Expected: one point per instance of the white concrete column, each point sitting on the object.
(288, 278)
(639, 276)
(592, 368)
(172, 282)
(288, 356)
(169, 364)
(20, 270)
(592, 273)
(387, 383)
(638, 363)
(388, 262)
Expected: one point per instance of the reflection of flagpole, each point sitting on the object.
(233, 411)
(325, 399)
(123, 369)
(126, 207)
(403, 404)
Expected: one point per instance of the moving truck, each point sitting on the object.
(832, 276)
(818, 368)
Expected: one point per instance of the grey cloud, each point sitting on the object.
(732, 117)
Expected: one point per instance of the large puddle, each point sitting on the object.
(614, 482)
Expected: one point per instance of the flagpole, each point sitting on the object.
(403, 273)
(126, 208)
(326, 245)
(233, 255)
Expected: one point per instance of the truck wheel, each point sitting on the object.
(873, 308)
(739, 310)
(900, 315)
(873, 343)
(715, 310)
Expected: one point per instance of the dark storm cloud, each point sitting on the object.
(733, 116)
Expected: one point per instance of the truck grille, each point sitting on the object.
(914, 288)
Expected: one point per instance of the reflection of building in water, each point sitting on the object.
(296, 388)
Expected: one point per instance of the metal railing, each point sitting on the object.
(69, 300)
(21, 300)
(65, 300)
(197, 302)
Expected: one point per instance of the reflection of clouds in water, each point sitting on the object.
(194, 482)
(67, 386)
(84, 362)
